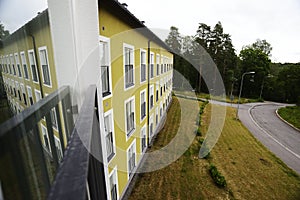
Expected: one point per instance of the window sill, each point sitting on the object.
(110, 157)
(130, 133)
(104, 94)
(129, 85)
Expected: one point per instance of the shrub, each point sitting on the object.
(217, 176)
(199, 132)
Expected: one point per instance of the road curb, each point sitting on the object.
(291, 125)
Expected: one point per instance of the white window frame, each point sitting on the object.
(157, 64)
(114, 173)
(152, 63)
(8, 65)
(59, 151)
(129, 134)
(12, 63)
(29, 92)
(24, 63)
(141, 102)
(53, 115)
(157, 91)
(151, 94)
(110, 90)
(31, 51)
(151, 122)
(40, 49)
(143, 134)
(133, 66)
(132, 146)
(106, 114)
(144, 63)
(23, 92)
(18, 65)
(18, 91)
(39, 94)
(156, 117)
(45, 132)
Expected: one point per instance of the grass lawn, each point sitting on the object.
(227, 99)
(291, 114)
(251, 171)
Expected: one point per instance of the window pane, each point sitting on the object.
(105, 78)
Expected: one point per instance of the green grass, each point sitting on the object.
(227, 98)
(250, 170)
(291, 114)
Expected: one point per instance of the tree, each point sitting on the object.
(289, 79)
(263, 45)
(219, 46)
(174, 40)
(3, 33)
(254, 59)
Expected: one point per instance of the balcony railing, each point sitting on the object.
(81, 173)
(28, 170)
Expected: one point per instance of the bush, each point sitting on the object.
(217, 176)
(199, 132)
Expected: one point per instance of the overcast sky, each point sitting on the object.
(277, 21)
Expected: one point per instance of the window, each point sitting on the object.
(5, 64)
(46, 141)
(156, 117)
(131, 153)
(151, 126)
(38, 95)
(151, 100)
(18, 91)
(160, 110)
(157, 64)
(129, 116)
(24, 64)
(143, 104)
(53, 116)
(33, 66)
(45, 66)
(129, 62)
(58, 148)
(113, 185)
(13, 64)
(8, 63)
(105, 66)
(24, 94)
(18, 65)
(143, 66)
(157, 93)
(109, 135)
(143, 139)
(29, 91)
(151, 65)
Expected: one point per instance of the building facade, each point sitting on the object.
(135, 84)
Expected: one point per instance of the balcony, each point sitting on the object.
(28, 170)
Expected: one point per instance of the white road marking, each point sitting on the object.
(275, 140)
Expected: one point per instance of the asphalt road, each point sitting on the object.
(276, 135)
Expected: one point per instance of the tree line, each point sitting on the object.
(271, 81)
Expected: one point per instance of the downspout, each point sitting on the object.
(37, 65)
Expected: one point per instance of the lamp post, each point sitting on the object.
(241, 87)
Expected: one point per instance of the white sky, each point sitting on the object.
(277, 21)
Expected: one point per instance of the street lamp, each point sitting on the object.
(241, 87)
